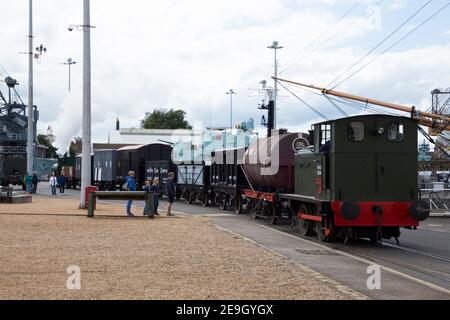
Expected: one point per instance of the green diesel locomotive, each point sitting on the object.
(359, 179)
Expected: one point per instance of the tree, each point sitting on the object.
(75, 147)
(163, 119)
(46, 141)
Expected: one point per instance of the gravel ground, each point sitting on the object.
(130, 258)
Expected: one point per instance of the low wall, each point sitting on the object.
(17, 199)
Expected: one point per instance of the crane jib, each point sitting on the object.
(427, 119)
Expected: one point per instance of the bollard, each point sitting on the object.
(91, 205)
(150, 205)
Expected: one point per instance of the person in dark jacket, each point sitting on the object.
(131, 186)
(155, 189)
(62, 183)
(326, 148)
(171, 192)
(34, 183)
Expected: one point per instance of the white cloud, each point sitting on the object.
(398, 4)
(189, 53)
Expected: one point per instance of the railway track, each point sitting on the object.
(425, 274)
(440, 276)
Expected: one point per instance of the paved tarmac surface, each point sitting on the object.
(417, 269)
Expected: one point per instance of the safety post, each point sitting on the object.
(150, 205)
(91, 205)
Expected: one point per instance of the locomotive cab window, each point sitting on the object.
(323, 138)
(356, 131)
(396, 132)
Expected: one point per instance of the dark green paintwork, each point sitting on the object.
(375, 169)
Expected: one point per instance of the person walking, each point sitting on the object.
(131, 186)
(34, 183)
(155, 189)
(171, 192)
(28, 179)
(62, 183)
(53, 183)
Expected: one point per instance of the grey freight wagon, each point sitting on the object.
(105, 169)
(135, 158)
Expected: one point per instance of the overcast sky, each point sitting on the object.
(187, 54)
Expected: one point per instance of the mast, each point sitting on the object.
(30, 133)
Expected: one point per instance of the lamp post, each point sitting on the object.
(231, 93)
(69, 63)
(30, 123)
(275, 47)
(86, 122)
(30, 134)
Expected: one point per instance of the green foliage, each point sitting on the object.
(72, 149)
(52, 151)
(163, 119)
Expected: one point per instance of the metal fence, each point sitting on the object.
(438, 197)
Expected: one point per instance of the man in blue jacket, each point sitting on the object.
(62, 183)
(131, 186)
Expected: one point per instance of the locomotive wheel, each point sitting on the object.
(251, 207)
(223, 201)
(273, 215)
(188, 197)
(321, 233)
(373, 238)
(218, 198)
(238, 204)
(305, 227)
(205, 199)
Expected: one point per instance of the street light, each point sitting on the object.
(79, 27)
(86, 123)
(69, 63)
(39, 51)
(30, 134)
(275, 47)
(231, 93)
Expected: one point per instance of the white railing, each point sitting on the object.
(15, 136)
(438, 198)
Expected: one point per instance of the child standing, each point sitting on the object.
(155, 189)
(147, 188)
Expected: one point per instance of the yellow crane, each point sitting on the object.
(435, 122)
